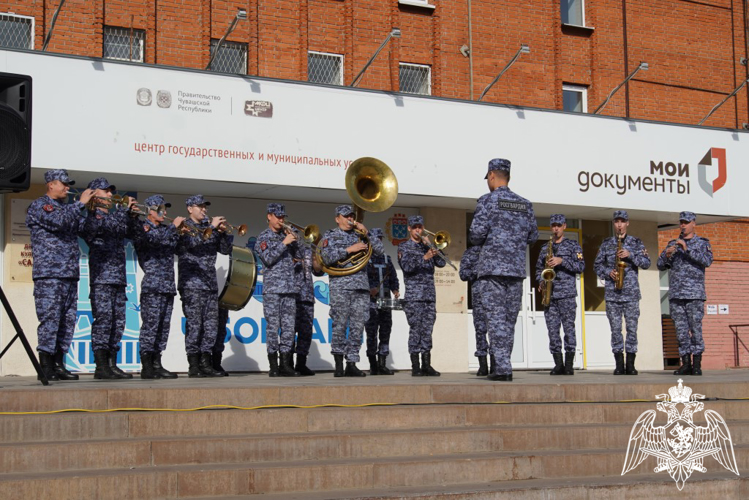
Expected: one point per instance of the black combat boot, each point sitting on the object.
(500, 377)
(60, 369)
(216, 358)
(112, 358)
(426, 365)
(273, 365)
(415, 368)
(619, 359)
(301, 366)
(206, 365)
(373, 366)
(353, 371)
(193, 360)
(686, 366)
(569, 362)
(558, 364)
(286, 368)
(47, 362)
(382, 368)
(631, 363)
(147, 370)
(103, 371)
(483, 370)
(492, 364)
(339, 372)
(697, 364)
(160, 370)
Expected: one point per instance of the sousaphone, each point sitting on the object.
(372, 187)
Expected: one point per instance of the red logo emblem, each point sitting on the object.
(49, 208)
(324, 243)
(263, 245)
(146, 227)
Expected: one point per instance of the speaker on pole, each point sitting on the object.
(15, 133)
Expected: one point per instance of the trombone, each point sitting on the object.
(441, 241)
(309, 234)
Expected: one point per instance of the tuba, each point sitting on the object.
(620, 265)
(372, 187)
(548, 275)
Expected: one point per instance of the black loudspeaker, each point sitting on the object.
(15, 133)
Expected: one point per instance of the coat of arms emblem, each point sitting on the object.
(680, 446)
(396, 228)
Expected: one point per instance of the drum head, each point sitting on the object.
(223, 267)
(239, 283)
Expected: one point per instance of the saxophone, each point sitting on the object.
(620, 265)
(548, 274)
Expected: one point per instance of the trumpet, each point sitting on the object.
(241, 230)
(115, 201)
(441, 241)
(309, 234)
(548, 274)
(621, 266)
(185, 228)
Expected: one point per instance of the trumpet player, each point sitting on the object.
(626, 254)
(686, 259)
(198, 286)
(155, 244)
(418, 259)
(383, 280)
(104, 231)
(54, 228)
(277, 248)
(566, 262)
(349, 293)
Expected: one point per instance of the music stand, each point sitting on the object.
(20, 335)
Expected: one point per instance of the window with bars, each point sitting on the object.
(573, 12)
(415, 78)
(124, 44)
(324, 68)
(231, 57)
(575, 98)
(16, 31)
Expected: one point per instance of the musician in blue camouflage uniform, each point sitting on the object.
(686, 259)
(105, 230)
(349, 293)
(567, 263)
(54, 230)
(277, 248)
(382, 281)
(468, 273)
(305, 267)
(197, 283)
(504, 224)
(418, 260)
(625, 302)
(155, 244)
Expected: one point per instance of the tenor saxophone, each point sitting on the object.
(620, 265)
(548, 274)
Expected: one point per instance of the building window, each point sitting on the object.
(231, 57)
(574, 98)
(16, 31)
(415, 79)
(573, 12)
(324, 68)
(124, 44)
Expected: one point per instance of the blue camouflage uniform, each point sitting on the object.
(349, 302)
(625, 302)
(563, 304)
(105, 233)
(155, 245)
(469, 274)
(380, 269)
(280, 289)
(420, 299)
(686, 288)
(54, 230)
(504, 224)
(197, 283)
(305, 305)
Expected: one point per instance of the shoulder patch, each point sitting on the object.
(49, 208)
(99, 216)
(324, 243)
(400, 255)
(263, 245)
(512, 206)
(146, 227)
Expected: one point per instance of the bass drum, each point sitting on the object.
(236, 275)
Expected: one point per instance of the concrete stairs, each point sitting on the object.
(444, 439)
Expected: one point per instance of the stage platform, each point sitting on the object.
(451, 437)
